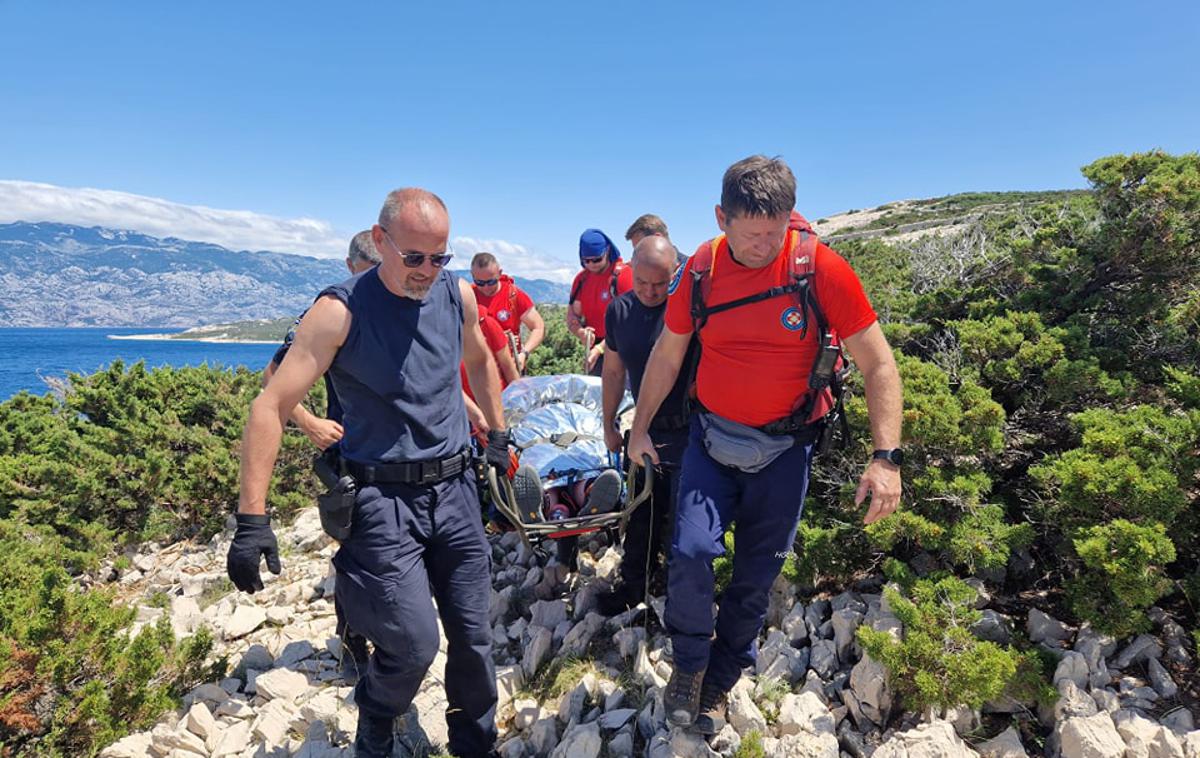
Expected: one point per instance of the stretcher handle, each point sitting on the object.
(636, 498)
(505, 499)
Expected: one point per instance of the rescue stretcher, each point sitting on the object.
(557, 426)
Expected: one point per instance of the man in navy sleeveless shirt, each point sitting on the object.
(633, 322)
(391, 340)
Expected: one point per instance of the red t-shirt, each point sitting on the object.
(595, 293)
(507, 306)
(754, 367)
(496, 341)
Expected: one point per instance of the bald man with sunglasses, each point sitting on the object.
(391, 340)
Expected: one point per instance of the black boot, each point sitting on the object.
(375, 737)
(682, 697)
(711, 718)
(619, 599)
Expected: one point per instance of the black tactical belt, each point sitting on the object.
(410, 472)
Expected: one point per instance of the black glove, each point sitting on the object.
(253, 540)
(497, 449)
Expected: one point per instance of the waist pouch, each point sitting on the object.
(335, 507)
(739, 446)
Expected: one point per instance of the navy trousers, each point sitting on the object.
(765, 509)
(410, 545)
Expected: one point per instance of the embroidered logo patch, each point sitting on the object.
(502, 314)
(792, 319)
(675, 281)
(605, 295)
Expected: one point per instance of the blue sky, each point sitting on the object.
(536, 120)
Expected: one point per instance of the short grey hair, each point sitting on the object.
(758, 186)
(362, 248)
(655, 251)
(398, 200)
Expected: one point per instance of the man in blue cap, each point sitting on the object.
(603, 278)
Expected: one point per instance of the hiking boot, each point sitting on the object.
(527, 488)
(711, 718)
(682, 698)
(374, 737)
(618, 600)
(603, 495)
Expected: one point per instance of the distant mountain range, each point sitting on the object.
(63, 275)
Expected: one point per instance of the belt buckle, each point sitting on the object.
(430, 471)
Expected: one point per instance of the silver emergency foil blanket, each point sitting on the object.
(557, 425)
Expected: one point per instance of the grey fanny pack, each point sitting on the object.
(739, 446)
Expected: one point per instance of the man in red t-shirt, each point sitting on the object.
(754, 370)
(603, 278)
(508, 304)
(497, 345)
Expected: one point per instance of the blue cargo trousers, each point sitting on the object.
(410, 545)
(765, 509)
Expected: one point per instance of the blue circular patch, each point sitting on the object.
(792, 319)
(675, 281)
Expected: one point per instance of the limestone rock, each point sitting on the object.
(200, 722)
(1090, 737)
(929, 740)
(615, 719)
(804, 713)
(1042, 627)
(548, 613)
(543, 737)
(1073, 666)
(868, 680)
(281, 683)
(1144, 646)
(580, 636)
(741, 711)
(806, 745)
(244, 620)
(540, 641)
(580, 741)
(1007, 744)
(823, 658)
(1159, 678)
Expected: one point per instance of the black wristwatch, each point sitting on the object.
(895, 456)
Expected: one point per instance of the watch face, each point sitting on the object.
(894, 456)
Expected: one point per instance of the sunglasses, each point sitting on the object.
(597, 259)
(416, 260)
(486, 282)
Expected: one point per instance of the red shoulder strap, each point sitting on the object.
(803, 256)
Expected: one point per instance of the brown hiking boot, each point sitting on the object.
(711, 718)
(682, 697)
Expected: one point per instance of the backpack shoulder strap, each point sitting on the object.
(579, 279)
(618, 269)
(701, 263)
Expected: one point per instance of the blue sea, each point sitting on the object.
(28, 355)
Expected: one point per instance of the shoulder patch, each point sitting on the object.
(674, 285)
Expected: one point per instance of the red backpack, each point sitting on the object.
(823, 400)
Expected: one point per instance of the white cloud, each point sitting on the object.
(236, 230)
(514, 259)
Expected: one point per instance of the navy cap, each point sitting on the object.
(594, 243)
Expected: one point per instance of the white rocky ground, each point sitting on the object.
(813, 694)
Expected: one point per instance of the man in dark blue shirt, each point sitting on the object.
(632, 324)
